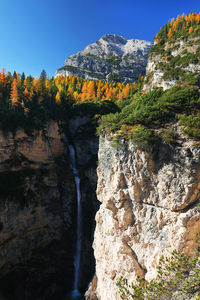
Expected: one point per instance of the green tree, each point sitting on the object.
(177, 276)
(23, 77)
(43, 77)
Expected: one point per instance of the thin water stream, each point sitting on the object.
(75, 294)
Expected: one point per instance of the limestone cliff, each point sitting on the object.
(171, 63)
(149, 206)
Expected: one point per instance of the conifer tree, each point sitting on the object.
(14, 74)
(23, 77)
(14, 93)
(43, 77)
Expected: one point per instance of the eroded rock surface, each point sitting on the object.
(158, 64)
(38, 211)
(149, 207)
(36, 215)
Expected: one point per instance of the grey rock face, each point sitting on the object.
(155, 73)
(149, 207)
(110, 55)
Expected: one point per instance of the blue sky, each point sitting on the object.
(40, 34)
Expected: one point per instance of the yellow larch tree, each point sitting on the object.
(170, 33)
(126, 91)
(190, 29)
(58, 98)
(14, 93)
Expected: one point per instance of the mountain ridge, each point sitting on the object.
(111, 58)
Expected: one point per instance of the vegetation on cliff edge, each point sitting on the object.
(146, 115)
(181, 28)
(178, 277)
(177, 48)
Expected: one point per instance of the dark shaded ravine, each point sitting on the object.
(38, 214)
(75, 294)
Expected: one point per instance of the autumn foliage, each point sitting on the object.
(21, 91)
(182, 26)
(14, 92)
(27, 102)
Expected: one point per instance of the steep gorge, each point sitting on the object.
(38, 214)
(149, 193)
(149, 207)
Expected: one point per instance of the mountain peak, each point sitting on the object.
(112, 57)
(114, 38)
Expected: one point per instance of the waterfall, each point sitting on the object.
(75, 292)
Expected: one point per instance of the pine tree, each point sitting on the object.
(43, 77)
(190, 29)
(14, 74)
(126, 91)
(3, 77)
(23, 77)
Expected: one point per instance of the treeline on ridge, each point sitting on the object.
(29, 102)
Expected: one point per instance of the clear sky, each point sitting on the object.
(40, 34)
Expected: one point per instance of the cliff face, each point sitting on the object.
(172, 63)
(112, 57)
(39, 149)
(38, 214)
(149, 206)
(150, 199)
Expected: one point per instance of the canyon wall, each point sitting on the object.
(82, 132)
(38, 213)
(149, 206)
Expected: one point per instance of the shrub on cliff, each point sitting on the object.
(157, 108)
(169, 136)
(191, 125)
(142, 136)
(178, 277)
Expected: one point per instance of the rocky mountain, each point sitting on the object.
(165, 69)
(172, 60)
(112, 57)
(149, 171)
